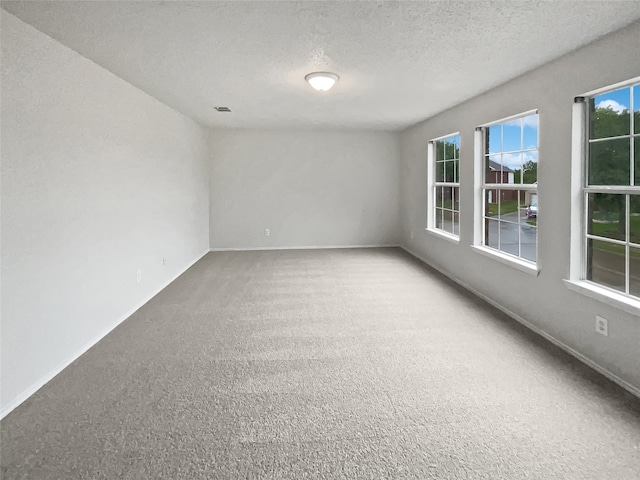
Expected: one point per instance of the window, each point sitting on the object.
(611, 189)
(444, 185)
(510, 186)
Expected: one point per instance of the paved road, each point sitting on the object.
(511, 233)
(608, 268)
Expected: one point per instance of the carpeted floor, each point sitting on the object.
(355, 363)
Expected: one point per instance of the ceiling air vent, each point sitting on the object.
(222, 109)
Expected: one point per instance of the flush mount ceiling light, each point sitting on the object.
(322, 81)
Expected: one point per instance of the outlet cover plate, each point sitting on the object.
(602, 326)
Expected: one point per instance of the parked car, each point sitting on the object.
(532, 210)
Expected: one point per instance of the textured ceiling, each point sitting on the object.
(399, 62)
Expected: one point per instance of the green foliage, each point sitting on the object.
(608, 207)
(609, 158)
(530, 169)
(449, 169)
(506, 206)
(451, 150)
(606, 122)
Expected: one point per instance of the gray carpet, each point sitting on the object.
(350, 364)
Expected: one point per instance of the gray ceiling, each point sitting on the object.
(399, 62)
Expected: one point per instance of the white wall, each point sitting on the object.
(544, 301)
(310, 188)
(98, 180)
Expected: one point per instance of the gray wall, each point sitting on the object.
(98, 180)
(543, 301)
(309, 188)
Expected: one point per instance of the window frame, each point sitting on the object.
(433, 184)
(481, 186)
(581, 189)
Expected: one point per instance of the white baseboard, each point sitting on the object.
(308, 247)
(586, 360)
(51, 374)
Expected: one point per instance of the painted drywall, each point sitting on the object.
(99, 180)
(543, 301)
(309, 188)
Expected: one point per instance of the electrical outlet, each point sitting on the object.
(139, 276)
(266, 232)
(602, 326)
(164, 261)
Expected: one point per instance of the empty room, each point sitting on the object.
(300, 239)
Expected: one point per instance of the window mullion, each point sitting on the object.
(519, 220)
(590, 236)
(631, 126)
(606, 139)
(627, 247)
(585, 236)
(620, 189)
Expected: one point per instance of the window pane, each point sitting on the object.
(456, 171)
(456, 199)
(609, 114)
(511, 166)
(606, 264)
(440, 150)
(634, 219)
(449, 149)
(448, 198)
(528, 241)
(491, 233)
(439, 191)
(530, 124)
(438, 218)
(491, 203)
(493, 169)
(606, 215)
(636, 154)
(493, 142)
(609, 162)
(509, 205)
(507, 173)
(439, 171)
(456, 224)
(634, 271)
(509, 238)
(636, 109)
(530, 206)
(448, 221)
(449, 171)
(512, 135)
(456, 141)
(530, 167)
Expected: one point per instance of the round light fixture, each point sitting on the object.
(322, 81)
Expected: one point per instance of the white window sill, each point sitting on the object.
(444, 235)
(510, 260)
(604, 295)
